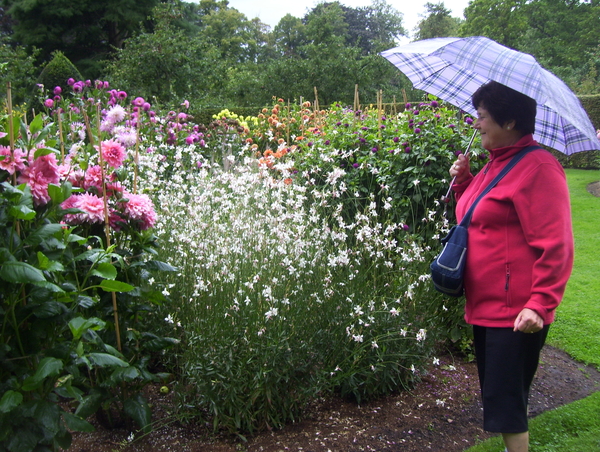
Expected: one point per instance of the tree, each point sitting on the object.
(437, 23)
(86, 31)
(500, 20)
(373, 28)
(168, 65)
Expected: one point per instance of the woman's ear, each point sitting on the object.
(510, 125)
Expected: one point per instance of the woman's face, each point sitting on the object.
(493, 135)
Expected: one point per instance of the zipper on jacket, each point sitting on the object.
(507, 278)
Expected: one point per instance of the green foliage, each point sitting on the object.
(57, 72)
(17, 67)
(437, 24)
(85, 31)
(157, 66)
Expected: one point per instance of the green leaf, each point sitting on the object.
(124, 374)
(36, 124)
(115, 286)
(20, 272)
(48, 286)
(77, 424)
(137, 409)
(22, 212)
(79, 325)
(10, 400)
(42, 233)
(44, 151)
(56, 193)
(106, 360)
(90, 404)
(105, 270)
(160, 266)
(48, 367)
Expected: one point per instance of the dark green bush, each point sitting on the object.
(58, 71)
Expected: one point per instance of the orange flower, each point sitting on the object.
(300, 138)
(287, 181)
(268, 153)
(249, 140)
(280, 141)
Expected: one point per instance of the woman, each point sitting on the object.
(520, 256)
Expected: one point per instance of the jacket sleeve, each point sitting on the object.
(543, 206)
(459, 189)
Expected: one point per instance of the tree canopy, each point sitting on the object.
(213, 54)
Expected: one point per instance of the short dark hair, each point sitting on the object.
(504, 104)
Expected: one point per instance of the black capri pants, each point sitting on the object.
(506, 363)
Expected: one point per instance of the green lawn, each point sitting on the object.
(574, 427)
(577, 326)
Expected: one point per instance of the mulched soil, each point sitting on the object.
(442, 413)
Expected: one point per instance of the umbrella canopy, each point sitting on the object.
(454, 68)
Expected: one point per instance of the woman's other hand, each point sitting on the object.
(529, 321)
(461, 169)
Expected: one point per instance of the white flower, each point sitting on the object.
(271, 313)
(374, 344)
(416, 182)
(436, 361)
(439, 402)
(357, 337)
(169, 319)
(421, 335)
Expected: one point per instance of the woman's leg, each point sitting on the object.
(516, 442)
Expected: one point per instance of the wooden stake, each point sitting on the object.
(107, 224)
(60, 137)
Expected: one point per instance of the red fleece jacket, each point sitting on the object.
(520, 248)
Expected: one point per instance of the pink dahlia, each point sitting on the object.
(139, 208)
(93, 179)
(92, 208)
(12, 162)
(113, 153)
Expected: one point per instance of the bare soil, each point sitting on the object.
(442, 413)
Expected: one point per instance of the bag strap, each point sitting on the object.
(467, 218)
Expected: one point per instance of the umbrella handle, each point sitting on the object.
(446, 197)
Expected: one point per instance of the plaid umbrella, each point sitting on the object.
(454, 68)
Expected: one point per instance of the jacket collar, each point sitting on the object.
(501, 154)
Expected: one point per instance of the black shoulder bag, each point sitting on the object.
(448, 267)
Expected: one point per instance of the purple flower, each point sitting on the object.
(452, 126)
(355, 165)
(122, 95)
(434, 103)
(416, 112)
(138, 101)
(407, 149)
(407, 106)
(49, 103)
(57, 90)
(374, 149)
(71, 82)
(405, 227)
(327, 142)
(469, 120)
(417, 130)
(396, 139)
